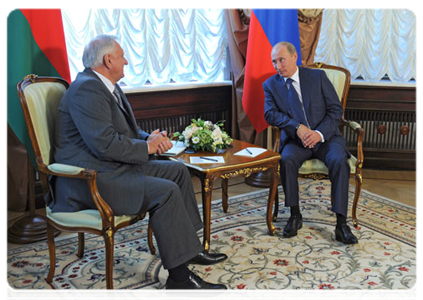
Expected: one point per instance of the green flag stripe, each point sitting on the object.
(23, 57)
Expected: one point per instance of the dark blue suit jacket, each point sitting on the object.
(322, 106)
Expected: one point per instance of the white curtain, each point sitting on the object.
(161, 45)
(370, 43)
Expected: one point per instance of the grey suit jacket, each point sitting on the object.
(94, 132)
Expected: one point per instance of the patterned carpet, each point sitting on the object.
(385, 257)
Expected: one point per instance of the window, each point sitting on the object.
(161, 45)
(373, 44)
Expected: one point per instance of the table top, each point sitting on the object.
(231, 161)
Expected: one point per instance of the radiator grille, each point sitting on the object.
(383, 129)
(178, 123)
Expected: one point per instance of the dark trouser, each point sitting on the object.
(333, 153)
(173, 209)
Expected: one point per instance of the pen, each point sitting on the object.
(248, 151)
(206, 158)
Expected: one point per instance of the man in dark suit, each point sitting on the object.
(96, 129)
(303, 103)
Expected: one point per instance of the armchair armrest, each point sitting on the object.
(353, 125)
(64, 170)
(356, 127)
(276, 133)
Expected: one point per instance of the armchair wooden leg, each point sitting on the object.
(81, 244)
(51, 251)
(225, 195)
(150, 239)
(358, 184)
(109, 245)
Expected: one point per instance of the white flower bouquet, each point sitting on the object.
(204, 135)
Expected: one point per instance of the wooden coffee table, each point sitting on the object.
(233, 166)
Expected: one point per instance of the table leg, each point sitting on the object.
(225, 195)
(206, 190)
(272, 193)
(275, 211)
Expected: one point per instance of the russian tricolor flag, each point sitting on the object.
(267, 28)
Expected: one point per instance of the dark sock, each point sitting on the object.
(295, 210)
(179, 273)
(340, 219)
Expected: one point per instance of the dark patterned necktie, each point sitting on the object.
(118, 97)
(126, 107)
(297, 106)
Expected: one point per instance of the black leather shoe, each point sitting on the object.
(343, 234)
(294, 223)
(206, 259)
(193, 282)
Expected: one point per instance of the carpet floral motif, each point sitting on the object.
(384, 258)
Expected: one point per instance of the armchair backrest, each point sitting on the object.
(40, 98)
(340, 78)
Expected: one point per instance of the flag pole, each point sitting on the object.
(31, 227)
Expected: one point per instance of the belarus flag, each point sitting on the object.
(267, 28)
(35, 45)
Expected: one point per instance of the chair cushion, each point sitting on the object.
(317, 166)
(89, 218)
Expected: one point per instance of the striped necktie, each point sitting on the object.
(125, 107)
(118, 97)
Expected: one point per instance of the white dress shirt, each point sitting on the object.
(109, 85)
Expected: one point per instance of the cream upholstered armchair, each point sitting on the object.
(40, 98)
(315, 168)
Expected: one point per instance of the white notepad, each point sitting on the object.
(251, 151)
(177, 148)
(207, 160)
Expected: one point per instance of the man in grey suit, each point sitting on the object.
(96, 129)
